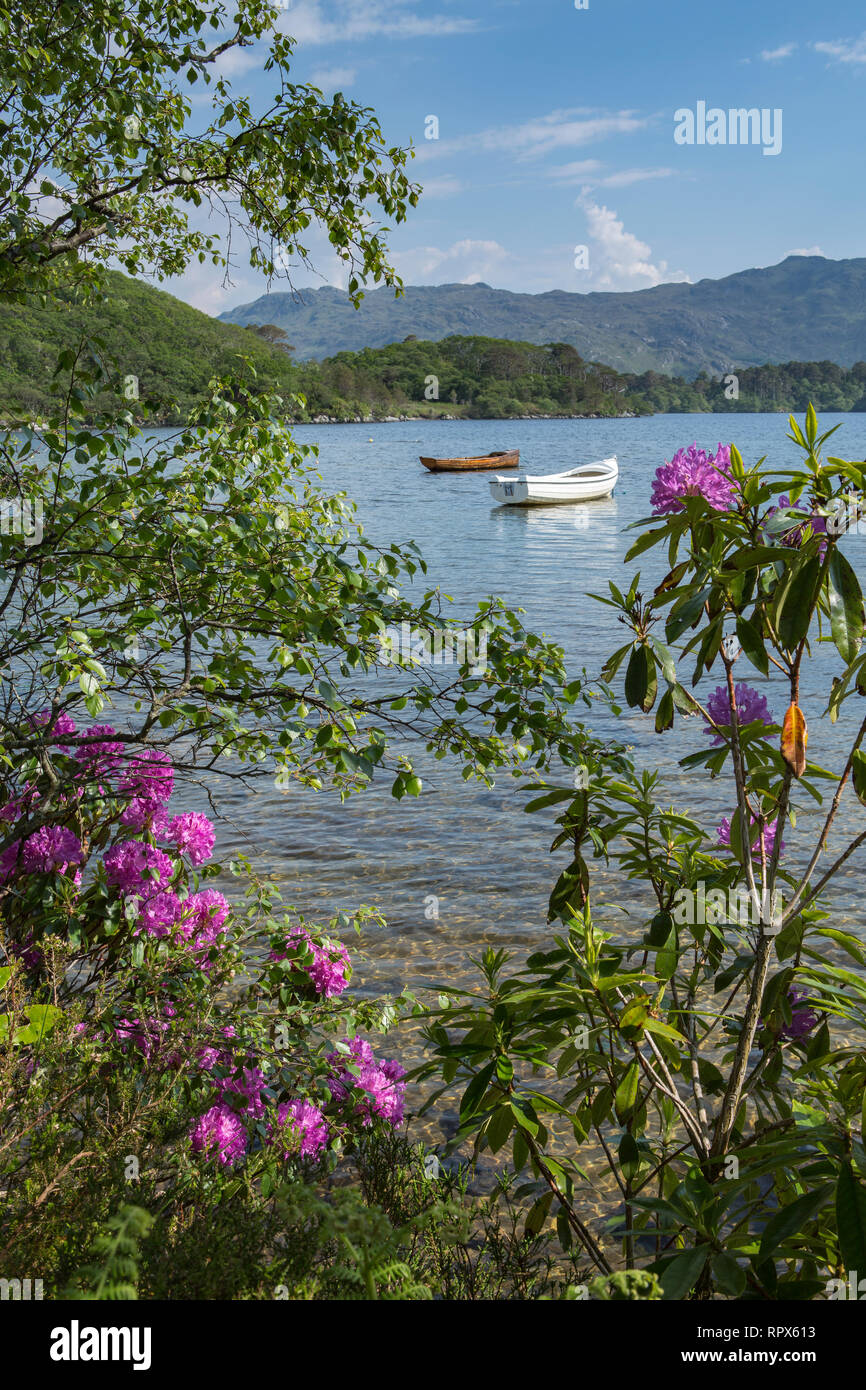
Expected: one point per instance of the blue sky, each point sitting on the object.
(556, 131)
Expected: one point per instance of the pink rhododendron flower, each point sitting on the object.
(769, 837)
(159, 913)
(329, 967)
(751, 706)
(379, 1086)
(693, 472)
(150, 776)
(249, 1083)
(147, 1035)
(145, 815)
(126, 864)
(203, 921)
(812, 524)
(20, 805)
(30, 956)
(804, 1019)
(51, 849)
(193, 834)
(301, 1127)
(64, 724)
(103, 756)
(219, 1133)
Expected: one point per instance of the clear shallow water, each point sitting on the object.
(474, 850)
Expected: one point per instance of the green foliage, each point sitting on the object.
(114, 1271)
(729, 1112)
(209, 587)
(96, 119)
(172, 350)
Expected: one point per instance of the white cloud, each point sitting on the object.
(805, 251)
(351, 21)
(444, 187)
(333, 79)
(465, 263)
(844, 50)
(625, 177)
(576, 172)
(777, 55)
(237, 61)
(618, 260)
(542, 135)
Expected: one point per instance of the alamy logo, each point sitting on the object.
(76, 1343)
(701, 905)
(21, 517)
(737, 126)
(850, 1288)
(415, 646)
(20, 1289)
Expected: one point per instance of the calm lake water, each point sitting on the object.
(475, 851)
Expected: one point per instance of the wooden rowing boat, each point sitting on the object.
(500, 458)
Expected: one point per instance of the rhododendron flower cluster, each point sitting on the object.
(103, 756)
(145, 1034)
(693, 472)
(300, 1126)
(768, 837)
(751, 707)
(145, 815)
(812, 524)
(149, 878)
(210, 1057)
(203, 921)
(378, 1088)
(329, 968)
(51, 849)
(133, 867)
(20, 805)
(64, 724)
(149, 776)
(192, 834)
(249, 1084)
(159, 914)
(220, 1133)
(804, 1019)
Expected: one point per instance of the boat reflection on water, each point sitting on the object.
(576, 521)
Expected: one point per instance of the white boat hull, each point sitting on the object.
(587, 483)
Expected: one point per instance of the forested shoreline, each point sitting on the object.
(171, 351)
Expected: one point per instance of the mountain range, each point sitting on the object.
(807, 308)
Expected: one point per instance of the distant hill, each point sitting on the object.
(170, 347)
(805, 309)
(174, 350)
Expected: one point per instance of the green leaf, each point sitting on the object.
(626, 1091)
(661, 927)
(851, 1219)
(730, 1278)
(795, 604)
(640, 680)
(499, 1128)
(665, 713)
(858, 773)
(753, 645)
(792, 1219)
(538, 1214)
(679, 1275)
(629, 1156)
(846, 606)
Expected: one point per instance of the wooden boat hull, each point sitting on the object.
(504, 458)
(589, 483)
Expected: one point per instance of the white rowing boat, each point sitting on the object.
(586, 483)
